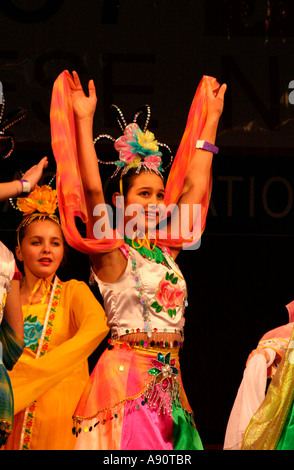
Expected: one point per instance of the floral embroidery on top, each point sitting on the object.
(32, 332)
(168, 296)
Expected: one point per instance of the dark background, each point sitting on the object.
(156, 52)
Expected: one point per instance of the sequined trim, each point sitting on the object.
(136, 341)
(158, 302)
(162, 390)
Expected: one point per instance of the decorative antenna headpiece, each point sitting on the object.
(137, 147)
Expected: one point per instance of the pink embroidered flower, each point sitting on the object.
(168, 296)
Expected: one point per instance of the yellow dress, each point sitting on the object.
(52, 372)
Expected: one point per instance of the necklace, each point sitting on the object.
(141, 295)
(155, 254)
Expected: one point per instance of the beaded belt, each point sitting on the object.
(136, 341)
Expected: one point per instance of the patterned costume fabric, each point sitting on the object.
(135, 397)
(48, 379)
(271, 426)
(262, 417)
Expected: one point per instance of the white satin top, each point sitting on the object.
(164, 290)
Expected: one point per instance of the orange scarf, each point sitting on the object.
(71, 198)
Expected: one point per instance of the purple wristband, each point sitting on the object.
(202, 144)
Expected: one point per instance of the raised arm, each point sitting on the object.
(108, 266)
(84, 110)
(198, 173)
(15, 188)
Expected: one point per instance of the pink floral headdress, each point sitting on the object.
(137, 147)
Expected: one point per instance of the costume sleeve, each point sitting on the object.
(12, 345)
(252, 391)
(32, 378)
(249, 397)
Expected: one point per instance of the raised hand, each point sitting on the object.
(83, 106)
(215, 100)
(35, 172)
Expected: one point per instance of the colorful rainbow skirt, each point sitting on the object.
(135, 400)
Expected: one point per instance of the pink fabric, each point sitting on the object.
(283, 331)
(120, 372)
(114, 393)
(290, 308)
(144, 428)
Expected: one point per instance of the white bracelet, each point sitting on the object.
(26, 188)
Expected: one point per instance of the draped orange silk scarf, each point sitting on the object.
(71, 198)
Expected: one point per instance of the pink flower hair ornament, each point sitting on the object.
(137, 147)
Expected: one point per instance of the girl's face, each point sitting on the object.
(146, 190)
(41, 249)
